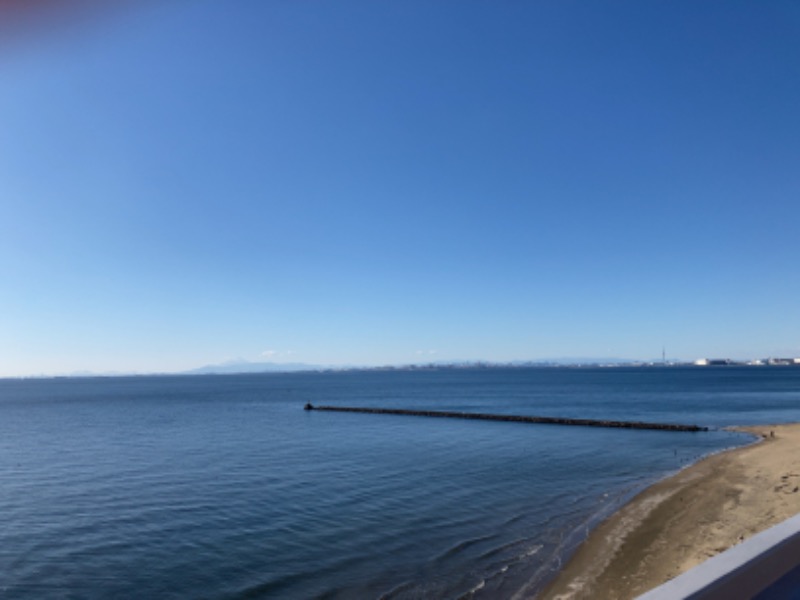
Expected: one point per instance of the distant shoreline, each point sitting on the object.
(679, 522)
(295, 368)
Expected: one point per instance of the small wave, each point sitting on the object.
(528, 551)
(471, 593)
(500, 571)
(502, 548)
(515, 519)
(461, 546)
(274, 586)
(396, 590)
(532, 551)
(522, 556)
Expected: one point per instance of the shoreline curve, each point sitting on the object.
(682, 520)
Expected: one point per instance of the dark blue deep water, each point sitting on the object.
(223, 487)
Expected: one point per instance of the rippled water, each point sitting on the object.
(223, 487)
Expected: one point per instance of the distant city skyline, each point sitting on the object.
(357, 183)
(244, 367)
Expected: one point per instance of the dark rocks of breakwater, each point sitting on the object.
(511, 418)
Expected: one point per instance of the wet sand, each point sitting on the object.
(681, 521)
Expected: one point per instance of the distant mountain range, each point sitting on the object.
(246, 366)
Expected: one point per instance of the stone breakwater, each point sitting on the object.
(511, 418)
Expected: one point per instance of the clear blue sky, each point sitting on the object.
(188, 182)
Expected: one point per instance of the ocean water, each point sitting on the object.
(224, 487)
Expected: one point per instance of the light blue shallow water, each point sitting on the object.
(223, 487)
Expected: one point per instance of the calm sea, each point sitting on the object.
(223, 487)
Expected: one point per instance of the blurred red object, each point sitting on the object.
(35, 12)
(24, 19)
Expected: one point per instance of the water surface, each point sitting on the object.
(223, 487)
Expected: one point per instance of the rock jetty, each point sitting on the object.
(511, 418)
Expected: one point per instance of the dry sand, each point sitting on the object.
(681, 521)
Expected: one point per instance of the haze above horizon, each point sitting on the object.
(389, 183)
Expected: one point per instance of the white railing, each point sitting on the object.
(740, 572)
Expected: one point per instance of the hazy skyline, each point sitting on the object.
(366, 183)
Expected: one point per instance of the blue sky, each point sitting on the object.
(184, 183)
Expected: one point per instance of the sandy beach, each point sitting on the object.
(681, 521)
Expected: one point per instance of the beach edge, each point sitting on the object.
(686, 518)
